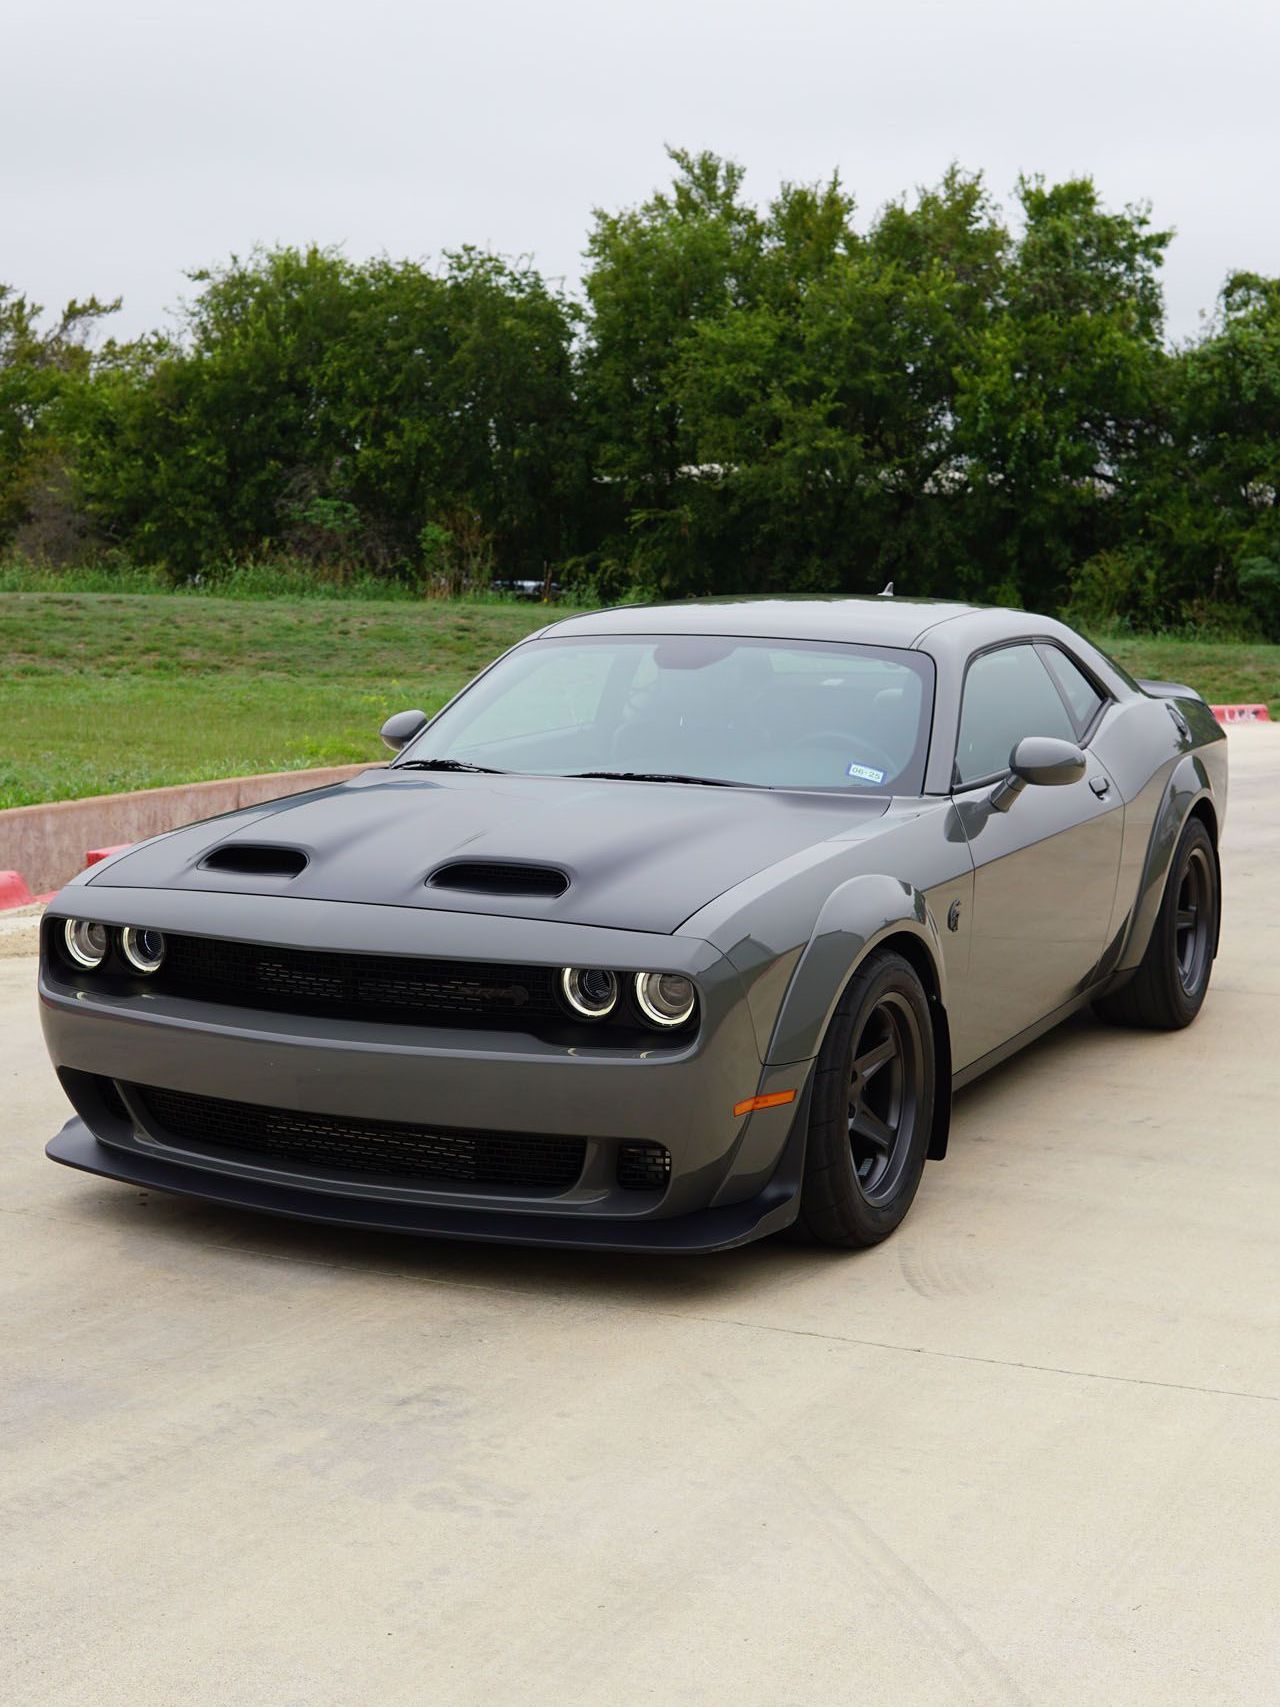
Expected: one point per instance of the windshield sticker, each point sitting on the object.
(864, 773)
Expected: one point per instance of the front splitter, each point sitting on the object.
(706, 1230)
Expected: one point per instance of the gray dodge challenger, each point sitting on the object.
(677, 927)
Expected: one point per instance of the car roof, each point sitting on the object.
(873, 620)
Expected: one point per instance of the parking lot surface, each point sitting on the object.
(1027, 1451)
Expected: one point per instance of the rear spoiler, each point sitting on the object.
(1170, 690)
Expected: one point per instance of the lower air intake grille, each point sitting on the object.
(331, 1143)
(643, 1167)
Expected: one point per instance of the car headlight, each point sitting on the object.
(86, 942)
(665, 998)
(143, 948)
(589, 991)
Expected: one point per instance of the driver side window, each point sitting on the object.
(1007, 694)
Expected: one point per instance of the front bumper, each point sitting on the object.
(730, 1180)
(692, 1234)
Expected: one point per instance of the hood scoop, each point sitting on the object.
(499, 877)
(559, 850)
(255, 859)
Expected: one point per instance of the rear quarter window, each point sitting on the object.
(1079, 692)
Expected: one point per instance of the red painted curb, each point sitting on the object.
(13, 885)
(1241, 713)
(13, 890)
(95, 854)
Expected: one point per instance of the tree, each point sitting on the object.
(655, 274)
(1220, 514)
(829, 405)
(759, 398)
(1055, 413)
(453, 398)
(334, 410)
(37, 369)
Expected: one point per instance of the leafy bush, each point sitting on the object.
(22, 574)
(458, 560)
(1259, 581)
(292, 578)
(1117, 590)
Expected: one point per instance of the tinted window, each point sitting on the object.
(558, 690)
(773, 713)
(1081, 695)
(1007, 694)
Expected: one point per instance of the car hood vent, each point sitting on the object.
(255, 859)
(499, 877)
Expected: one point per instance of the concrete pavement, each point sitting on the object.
(1028, 1451)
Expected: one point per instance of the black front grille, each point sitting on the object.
(338, 1143)
(356, 986)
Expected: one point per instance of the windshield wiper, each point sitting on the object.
(660, 776)
(445, 765)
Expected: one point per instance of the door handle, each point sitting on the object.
(1101, 786)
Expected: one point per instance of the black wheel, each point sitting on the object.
(872, 1108)
(1168, 989)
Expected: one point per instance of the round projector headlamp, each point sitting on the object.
(589, 992)
(143, 948)
(665, 998)
(86, 942)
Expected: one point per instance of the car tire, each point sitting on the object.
(871, 1108)
(1168, 989)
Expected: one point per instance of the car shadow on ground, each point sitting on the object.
(177, 1224)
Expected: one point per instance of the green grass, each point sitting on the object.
(103, 692)
(107, 691)
(278, 578)
(1226, 672)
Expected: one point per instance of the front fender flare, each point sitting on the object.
(854, 919)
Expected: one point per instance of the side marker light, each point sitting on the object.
(775, 1099)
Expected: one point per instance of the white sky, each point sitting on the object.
(140, 139)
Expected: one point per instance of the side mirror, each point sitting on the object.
(399, 730)
(1041, 760)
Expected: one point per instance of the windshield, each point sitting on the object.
(763, 713)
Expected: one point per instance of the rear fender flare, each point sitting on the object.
(1188, 784)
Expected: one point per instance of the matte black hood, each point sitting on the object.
(639, 856)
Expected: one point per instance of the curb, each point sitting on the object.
(13, 890)
(1241, 713)
(96, 855)
(42, 847)
(15, 894)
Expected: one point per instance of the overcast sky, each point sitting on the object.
(142, 139)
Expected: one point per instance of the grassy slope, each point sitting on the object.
(100, 692)
(1226, 672)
